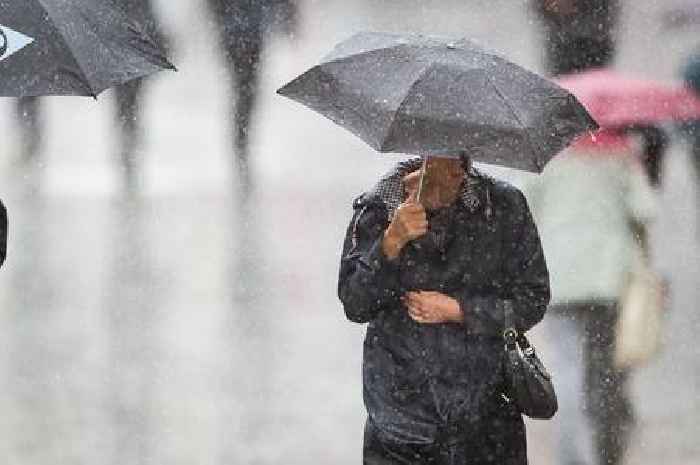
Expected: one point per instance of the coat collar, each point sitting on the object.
(389, 189)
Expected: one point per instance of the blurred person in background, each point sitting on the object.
(578, 34)
(242, 26)
(592, 205)
(691, 77)
(654, 143)
(685, 17)
(31, 134)
(129, 98)
(433, 278)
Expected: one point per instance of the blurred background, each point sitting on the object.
(149, 315)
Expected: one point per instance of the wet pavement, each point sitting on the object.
(177, 328)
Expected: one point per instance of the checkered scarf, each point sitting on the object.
(391, 191)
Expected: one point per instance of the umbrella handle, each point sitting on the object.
(422, 177)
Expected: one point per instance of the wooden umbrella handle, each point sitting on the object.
(422, 176)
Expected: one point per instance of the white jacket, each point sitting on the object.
(583, 206)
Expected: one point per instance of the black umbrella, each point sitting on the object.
(72, 47)
(423, 95)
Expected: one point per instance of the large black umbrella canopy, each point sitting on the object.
(72, 47)
(426, 95)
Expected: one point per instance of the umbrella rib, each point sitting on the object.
(517, 118)
(389, 130)
(366, 52)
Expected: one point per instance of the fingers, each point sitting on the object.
(412, 213)
(415, 225)
(415, 313)
(411, 221)
(418, 314)
(419, 310)
(422, 298)
(414, 305)
(410, 210)
(428, 307)
(416, 229)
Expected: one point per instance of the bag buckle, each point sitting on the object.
(510, 335)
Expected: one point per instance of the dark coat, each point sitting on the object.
(427, 383)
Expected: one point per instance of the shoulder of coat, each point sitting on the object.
(365, 200)
(360, 201)
(502, 191)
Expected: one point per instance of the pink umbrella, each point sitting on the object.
(617, 100)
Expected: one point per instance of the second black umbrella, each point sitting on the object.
(72, 47)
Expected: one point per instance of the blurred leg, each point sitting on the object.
(695, 159)
(573, 432)
(283, 17)
(240, 26)
(655, 142)
(128, 112)
(557, 59)
(244, 59)
(607, 400)
(690, 130)
(29, 118)
(695, 150)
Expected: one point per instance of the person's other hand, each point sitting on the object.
(408, 223)
(432, 307)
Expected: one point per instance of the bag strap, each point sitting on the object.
(510, 333)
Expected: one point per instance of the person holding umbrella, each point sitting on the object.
(439, 256)
(426, 275)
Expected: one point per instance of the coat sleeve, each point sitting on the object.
(524, 279)
(368, 280)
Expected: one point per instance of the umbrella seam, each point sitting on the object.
(361, 54)
(388, 132)
(163, 62)
(520, 122)
(345, 108)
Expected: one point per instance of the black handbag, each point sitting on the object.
(528, 384)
